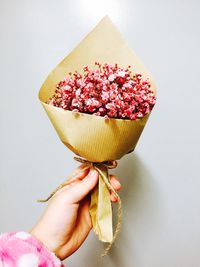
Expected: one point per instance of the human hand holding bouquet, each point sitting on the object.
(66, 221)
(99, 113)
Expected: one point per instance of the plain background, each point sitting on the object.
(161, 179)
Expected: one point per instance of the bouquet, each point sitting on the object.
(99, 99)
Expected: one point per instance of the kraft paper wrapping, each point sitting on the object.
(101, 214)
(91, 137)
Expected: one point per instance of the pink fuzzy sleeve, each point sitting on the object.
(20, 249)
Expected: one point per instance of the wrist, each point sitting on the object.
(44, 240)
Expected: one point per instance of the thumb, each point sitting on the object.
(82, 188)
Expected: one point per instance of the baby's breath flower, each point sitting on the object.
(108, 91)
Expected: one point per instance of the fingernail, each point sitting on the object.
(78, 172)
(117, 183)
(113, 198)
(83, 165)
(84, 169)
(92, 173)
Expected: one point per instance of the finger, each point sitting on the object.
(113, 198)
(64, 186)
(80, 172)
(81, 189)
(115, 182)
(80, 168)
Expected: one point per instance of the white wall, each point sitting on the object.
(161, 181)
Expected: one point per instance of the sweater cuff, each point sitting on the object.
(24, 250)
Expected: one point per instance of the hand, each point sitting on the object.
(66, 221)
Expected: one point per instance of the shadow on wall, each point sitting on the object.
(141, 212)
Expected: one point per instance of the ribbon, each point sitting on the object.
(100, 207)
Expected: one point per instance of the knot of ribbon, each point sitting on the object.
(111, 164)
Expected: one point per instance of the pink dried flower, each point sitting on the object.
(107, 90)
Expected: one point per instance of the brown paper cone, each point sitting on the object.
(92, 137)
